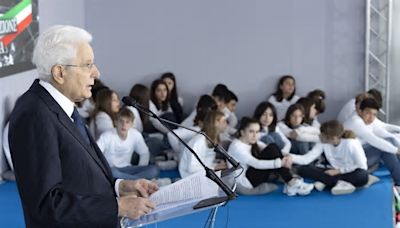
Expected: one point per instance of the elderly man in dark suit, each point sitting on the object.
(62, 176)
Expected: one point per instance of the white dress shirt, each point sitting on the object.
(68, 106)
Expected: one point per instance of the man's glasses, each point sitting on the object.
(88, 65)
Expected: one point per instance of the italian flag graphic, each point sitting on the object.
(22, 12)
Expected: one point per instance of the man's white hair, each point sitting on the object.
(57, 45)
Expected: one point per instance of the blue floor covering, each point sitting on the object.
(372, 207)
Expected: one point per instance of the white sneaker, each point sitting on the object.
(371, 180)
(342, 187)
(297, 186)
(319, 186)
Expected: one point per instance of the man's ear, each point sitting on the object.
(57, 73)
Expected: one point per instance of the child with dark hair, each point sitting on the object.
(86, 107)
(284, 96)
(319, 98)
(302, 136)
(379, 144)
(345, 156)
(175, 101)
(205, 105)
(104, 114)
(118, 146)
(141, 94)
(261, 163)
(265, 113)
(159, 105)
(310, 111)
(231, 101)
(220, 93)
(351, 107)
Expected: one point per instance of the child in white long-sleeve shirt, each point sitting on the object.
(119, 144)
(261, 163)
(302, 136)
(214, 124)
(284, 96)
(106, 109)
(265, 112)
(205, 104)
(378, 144)
(160, 106)
(344, 154)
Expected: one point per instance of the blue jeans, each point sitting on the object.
(273, 137)
(299, 147)
(391, 161)
(135, 172)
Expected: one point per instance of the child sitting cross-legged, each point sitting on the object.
(346, 157)
(120, 143)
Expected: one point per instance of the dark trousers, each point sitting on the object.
(258, 176)
(358, 177)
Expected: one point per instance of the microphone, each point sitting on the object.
(217, 148)
(209, 172)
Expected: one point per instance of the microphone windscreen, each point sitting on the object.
(128, 101)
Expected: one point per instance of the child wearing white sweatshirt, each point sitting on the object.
(214, 124)
(261, 163)
(284, 96)
(119, 144)
(265, 113)
(379, 144)
(205, 104)
(302, 136)
(344, 154)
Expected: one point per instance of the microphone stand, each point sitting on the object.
(209, 172)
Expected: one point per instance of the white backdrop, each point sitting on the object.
(247, 45)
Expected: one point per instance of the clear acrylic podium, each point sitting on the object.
(185, 208)
(181, 210)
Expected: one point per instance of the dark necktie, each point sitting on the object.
(80, 125)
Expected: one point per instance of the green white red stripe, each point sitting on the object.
(22, 12)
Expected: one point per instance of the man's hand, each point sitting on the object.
(332, 172)
(133, 207)
(141, 188)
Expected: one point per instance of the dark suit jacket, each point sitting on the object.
(62, 180)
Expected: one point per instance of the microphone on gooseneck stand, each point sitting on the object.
(217, 148)
(209, 172)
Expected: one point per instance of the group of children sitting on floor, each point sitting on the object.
(282, 141)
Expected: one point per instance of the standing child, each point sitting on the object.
(119, 144)
(284, 96)
(261, 163)
(265, 113)
(344, 154)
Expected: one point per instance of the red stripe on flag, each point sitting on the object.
(20, 28)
